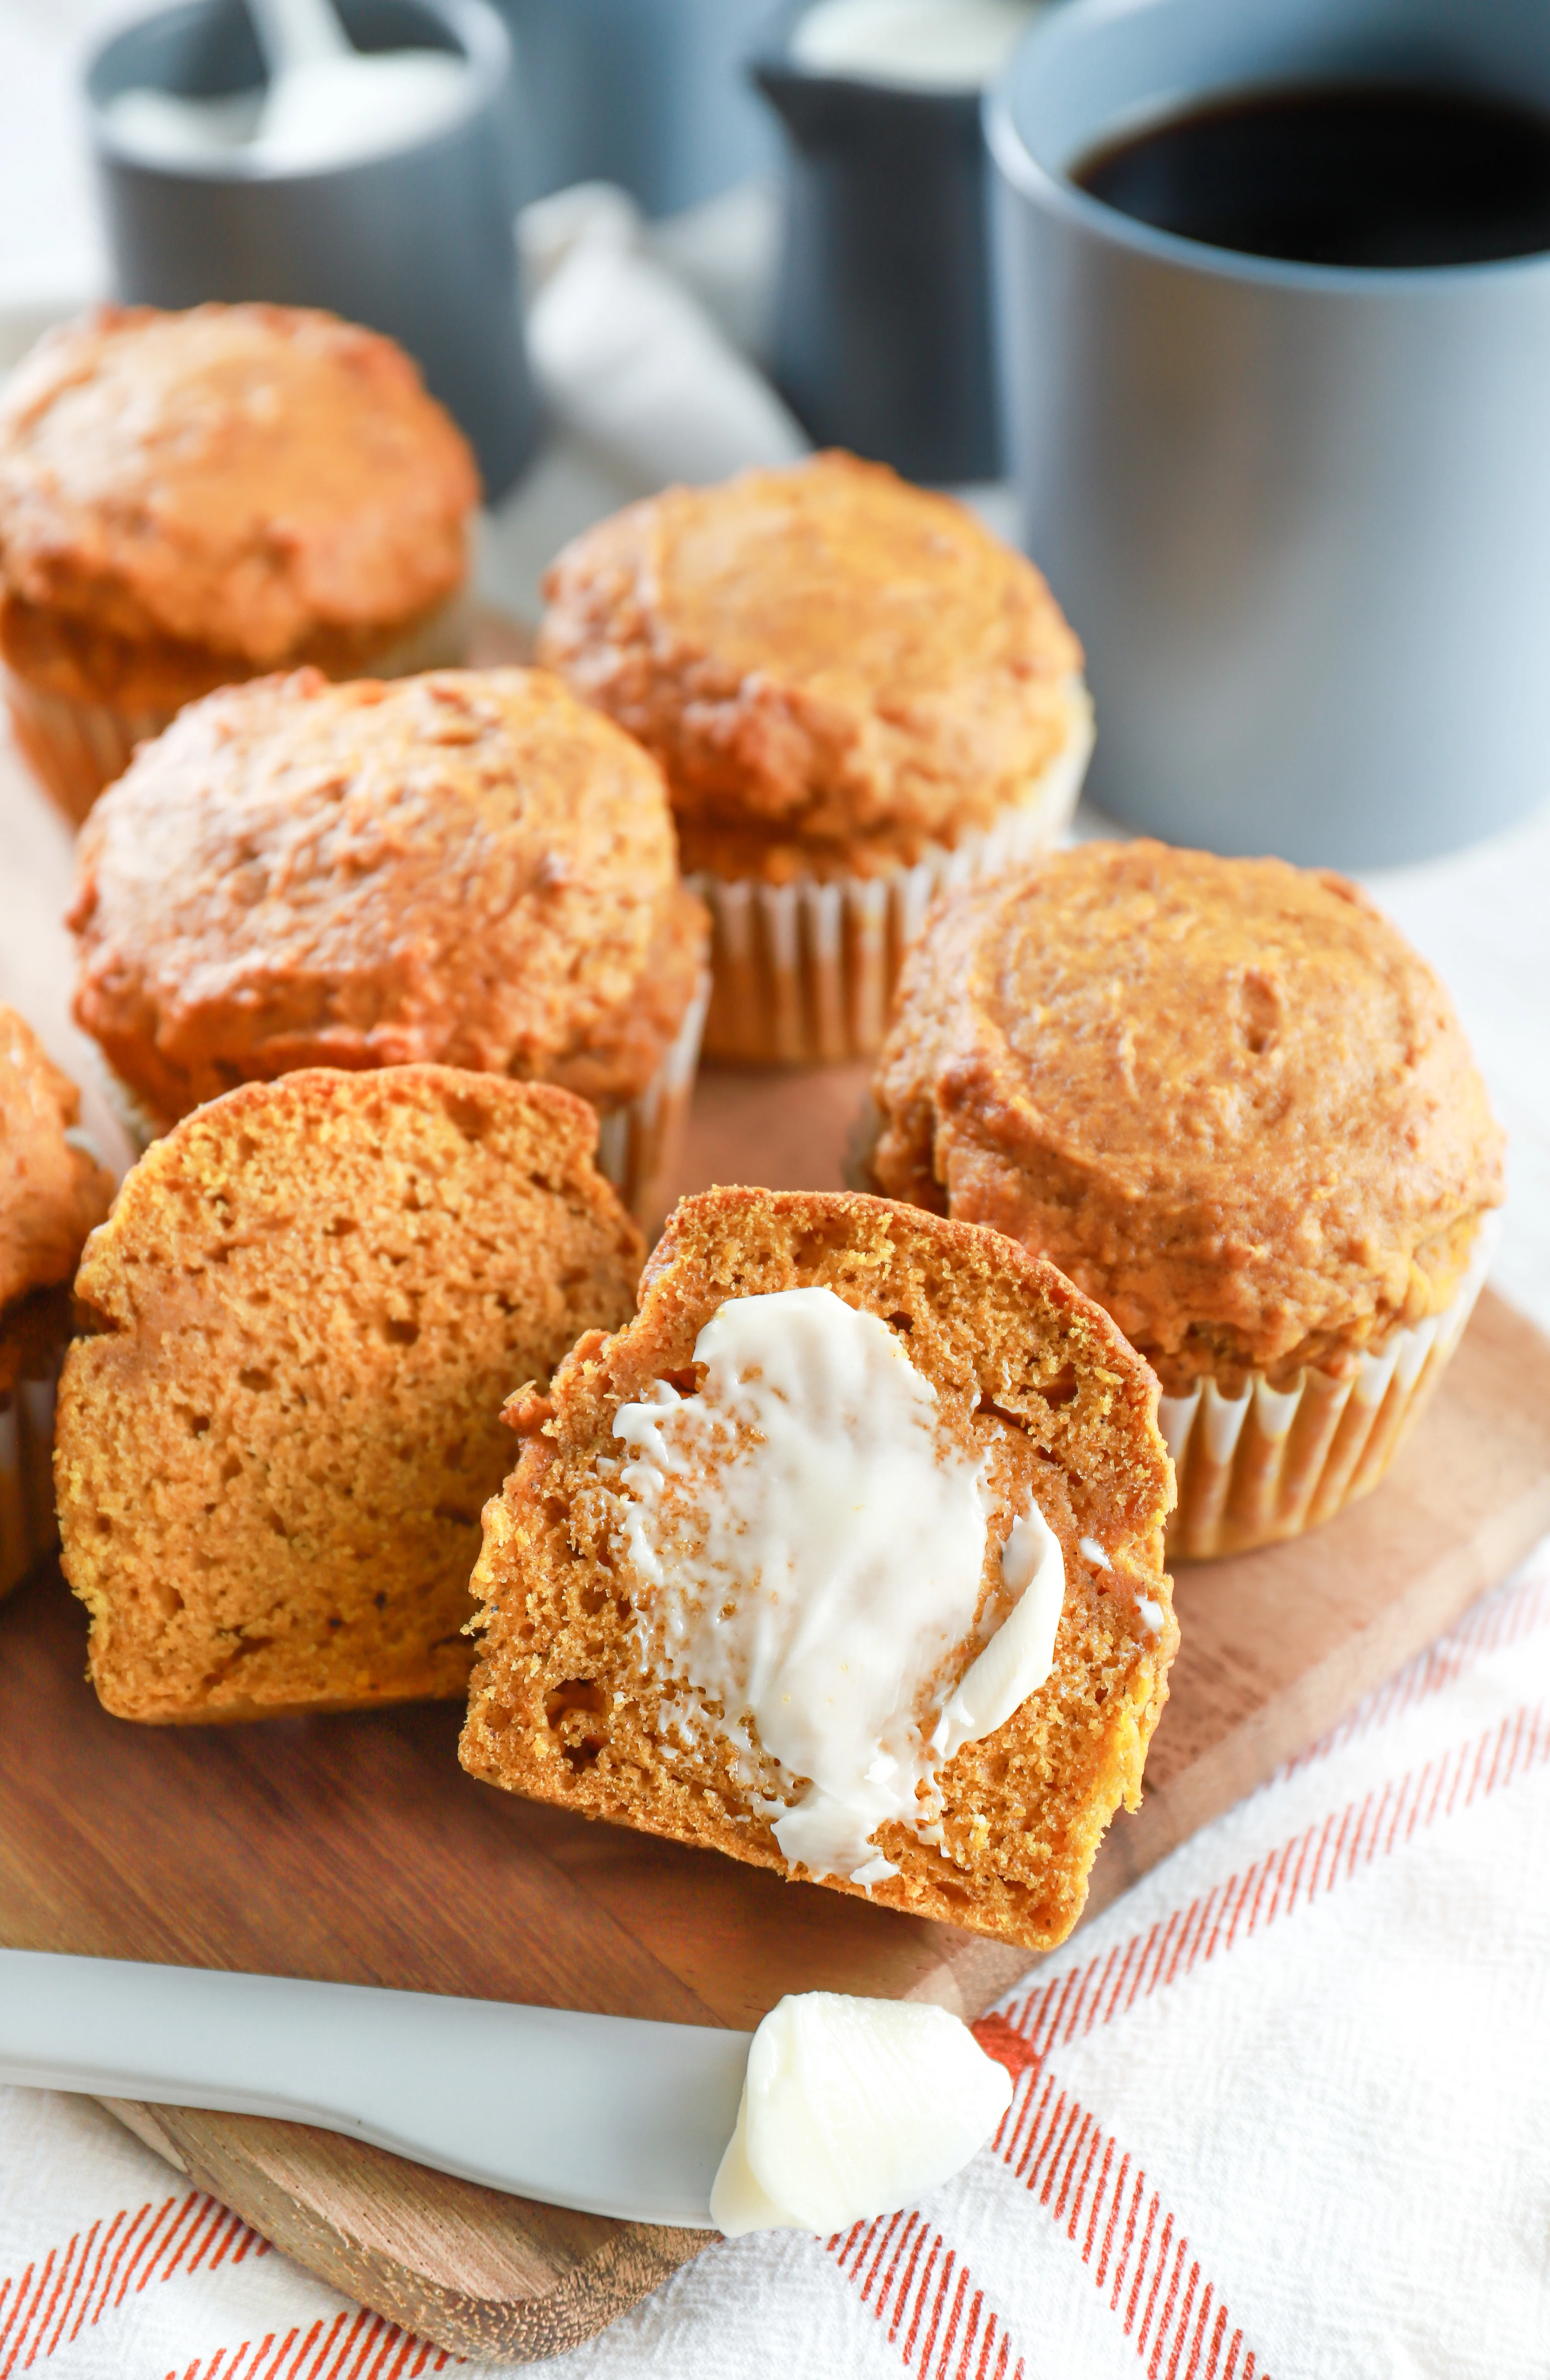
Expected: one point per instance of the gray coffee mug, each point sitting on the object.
(417, 242)
(1300, 514)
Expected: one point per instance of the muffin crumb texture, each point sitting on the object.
(1224, 1096)
(306, 1311)
(467, 869)
(566, 1705)
(834, 668)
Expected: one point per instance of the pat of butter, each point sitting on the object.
(1020, 1655)
(812, 1542)
(850, 2108)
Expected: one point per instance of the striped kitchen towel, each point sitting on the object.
(1284, 2110)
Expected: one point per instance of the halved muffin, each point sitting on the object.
(844, 1557)
(310, 1304)
(53, 1191)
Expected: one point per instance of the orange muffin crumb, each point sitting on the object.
(52, 1188)
(1025, 1373)
(302, 1318)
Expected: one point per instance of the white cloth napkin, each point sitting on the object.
(644, 341)
(1284, 2110)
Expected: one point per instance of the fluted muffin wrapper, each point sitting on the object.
(76, 749)
(803, 973)
(1268, 1464)
(640, 1144)
(28, 1528)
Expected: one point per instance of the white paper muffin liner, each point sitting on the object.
(803, 973)
(75, 749)
(1268, 1464)
(28, 1529)
(640, 1147)
(639, 1144)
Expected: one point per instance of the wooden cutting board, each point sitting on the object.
(354, 1848)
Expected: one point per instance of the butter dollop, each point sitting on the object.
(852, 2107)
(1020, 1655)
(814, 1542)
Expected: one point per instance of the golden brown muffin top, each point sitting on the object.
(469, 867)
(237, 477)
(1224, 1096)
(821, 658)
(51, 1189)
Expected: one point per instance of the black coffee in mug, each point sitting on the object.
(1353, 174)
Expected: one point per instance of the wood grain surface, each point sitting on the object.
(353, 1848)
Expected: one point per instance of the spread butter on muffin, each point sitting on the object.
(467, 867)
(189, 499)
(306, 1311)
(52, 1191)
(1228, 1099)
(857, 694)
(844, 1556)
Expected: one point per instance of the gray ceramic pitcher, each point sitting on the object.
(882, 307)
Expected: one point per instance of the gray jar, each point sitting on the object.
(417, 243)
(882, 303)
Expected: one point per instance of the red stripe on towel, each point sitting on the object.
(1296, 1874)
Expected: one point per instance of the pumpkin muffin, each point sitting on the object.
(303, 1315)
(857, 694)
(52, 1192)
(467, 867)
(1230, 1100)
(189, 499)
(843, 1557)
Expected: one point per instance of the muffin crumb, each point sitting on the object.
(563, 1708)
(275, 1440)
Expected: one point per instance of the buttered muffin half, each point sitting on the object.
(844, 1556)
(307, 1307)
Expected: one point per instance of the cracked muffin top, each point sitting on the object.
(831, 665)
(246, 479)
(1224, 1096)
(469, 867)
(51, 1189)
